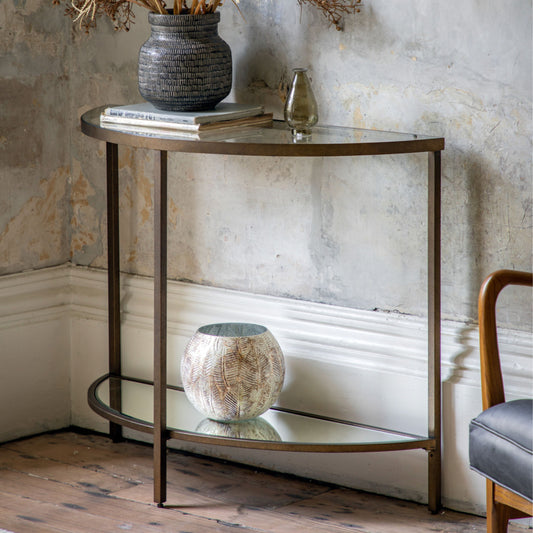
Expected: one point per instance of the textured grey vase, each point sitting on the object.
(184, 65)
(232, 371)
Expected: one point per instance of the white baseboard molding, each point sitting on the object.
(387, 342)
(35, 352)
(364, 365)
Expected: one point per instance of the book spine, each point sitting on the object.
(141, 115)
(152, 132)
(114, 119)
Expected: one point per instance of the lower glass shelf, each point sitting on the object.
(277, 429)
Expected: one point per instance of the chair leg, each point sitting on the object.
(497, 514)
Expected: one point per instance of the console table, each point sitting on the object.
(108, 395)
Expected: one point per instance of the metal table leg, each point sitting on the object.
(434, 355)
(160, 329)
(113, 284)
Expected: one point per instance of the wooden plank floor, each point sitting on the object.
(72, 482)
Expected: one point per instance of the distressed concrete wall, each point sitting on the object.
(34, 214)
(358, 236)
(348, 232)
(34, 136)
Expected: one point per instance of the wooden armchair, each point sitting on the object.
(501, 436)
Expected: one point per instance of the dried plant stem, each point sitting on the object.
(85, 12)
(213, 5)
(157, 6)
(236, 4)
(141, 3)
(334, 10)
(87, 9)
(200, 8)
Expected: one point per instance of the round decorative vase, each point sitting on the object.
(184, 65)
(232, 371)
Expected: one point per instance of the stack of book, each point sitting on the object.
(145, 119)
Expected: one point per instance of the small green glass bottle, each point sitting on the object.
(301, 111)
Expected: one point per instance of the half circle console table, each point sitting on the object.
(308, 432)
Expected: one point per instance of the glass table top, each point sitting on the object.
(275, 140)
(275, 429)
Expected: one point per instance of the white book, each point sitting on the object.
(142, 122)
(223, 111)
(166, 133)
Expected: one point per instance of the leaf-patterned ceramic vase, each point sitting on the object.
(184, 65)
(232, 371)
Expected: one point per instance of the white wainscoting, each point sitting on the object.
(34, 352)
(362, 365)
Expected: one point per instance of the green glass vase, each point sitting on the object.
(301, 110)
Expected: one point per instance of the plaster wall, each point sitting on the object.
(357, 238)
(34, 214)
(343, 232)
(34, 136)
(348, 232)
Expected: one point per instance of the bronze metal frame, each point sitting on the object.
(160, 331)
(434, 306)
(432, 443)
(113, 281)
(405, 441)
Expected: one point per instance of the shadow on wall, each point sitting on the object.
(263, 72)
(477, 217)
(498, 218)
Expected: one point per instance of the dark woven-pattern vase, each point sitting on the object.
(184, 65)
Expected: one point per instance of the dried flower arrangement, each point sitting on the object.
(334, 10)
(120, 11)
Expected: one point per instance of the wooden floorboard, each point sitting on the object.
(78, 483)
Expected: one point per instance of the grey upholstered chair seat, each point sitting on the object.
(501, 441)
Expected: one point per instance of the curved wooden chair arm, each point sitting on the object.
(491, 374)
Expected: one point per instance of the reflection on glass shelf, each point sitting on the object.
(273, 426)
(255, 429)
(278, 134)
